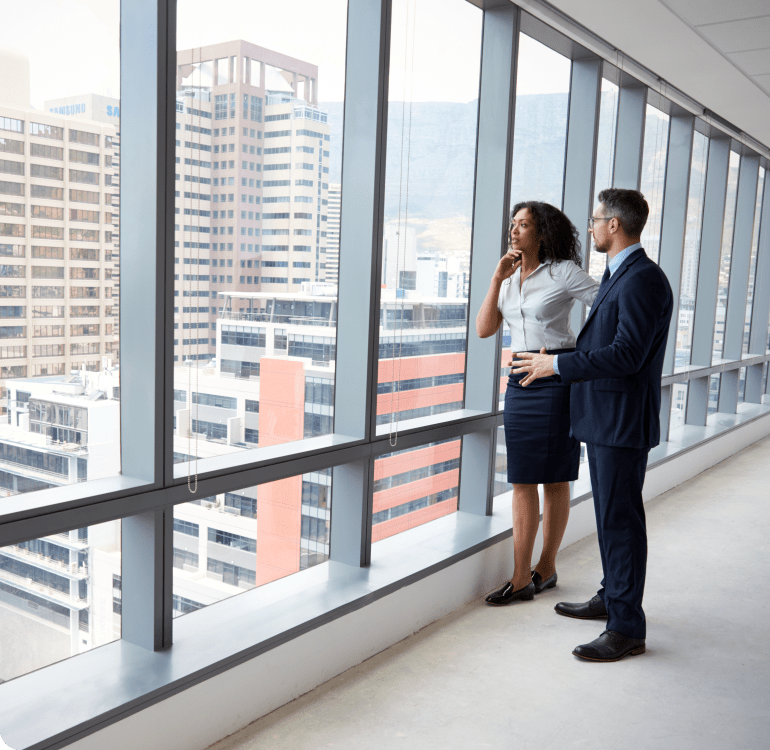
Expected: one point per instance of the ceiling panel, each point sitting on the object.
(735, 36)
(753, 62)
(717, 11)
(664, 42)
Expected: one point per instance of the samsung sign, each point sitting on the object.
(78, 109)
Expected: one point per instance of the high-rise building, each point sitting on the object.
(58, 207)
(266, 171)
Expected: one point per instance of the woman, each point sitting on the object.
(534, 288)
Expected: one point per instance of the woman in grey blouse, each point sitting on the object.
(533, 289)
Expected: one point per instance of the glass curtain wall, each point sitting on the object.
(429, 179)
(754, 256)
(218, 553)
(414, 486)
(258, 144)
(728, 230)
(691, 256)
(59, 248)
(653, 180)
(59, 596)
(539, 138)
(605, 160)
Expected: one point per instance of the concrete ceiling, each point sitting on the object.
(717, 52)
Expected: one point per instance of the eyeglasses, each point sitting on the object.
(594, 219)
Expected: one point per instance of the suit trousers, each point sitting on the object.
(617, 478)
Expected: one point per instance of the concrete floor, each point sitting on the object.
(505, 677)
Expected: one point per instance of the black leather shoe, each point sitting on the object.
(540, 584)
(506, 595)
(591, 610)
(610, 646)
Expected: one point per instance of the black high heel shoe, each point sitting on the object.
(506, 595)
(540, 584)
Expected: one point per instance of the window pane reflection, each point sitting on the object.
(432, 118)
(502, 485)
(258, 155)
(414, 486)
(753, 264)
(235, 541)
(678, 405)
(59, 596)
(605, 161)
(540, 126)
(691, 254)
(60, 249)
(726, 254)
(653, 180)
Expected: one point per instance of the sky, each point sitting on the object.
(76, 50)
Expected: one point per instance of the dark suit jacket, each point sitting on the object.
(616, 367)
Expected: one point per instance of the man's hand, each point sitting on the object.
(535, 365)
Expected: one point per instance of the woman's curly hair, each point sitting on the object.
(559, 239)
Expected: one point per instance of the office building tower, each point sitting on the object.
(58, 182)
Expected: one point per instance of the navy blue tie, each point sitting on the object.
(606, 276)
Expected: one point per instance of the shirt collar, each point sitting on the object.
(616, 262)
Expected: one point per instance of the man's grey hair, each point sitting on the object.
(628, 206)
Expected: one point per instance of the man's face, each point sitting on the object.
(600, 230)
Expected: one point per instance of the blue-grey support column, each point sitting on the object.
(629, 141)
(708, 276)
(490, 210)
(363, 180)
(148, 47)
(582, 134)
(760, 311)
(740, 261)
(147, 578)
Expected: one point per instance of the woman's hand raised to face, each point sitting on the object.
(508, 264)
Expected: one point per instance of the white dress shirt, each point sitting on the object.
(538, 311)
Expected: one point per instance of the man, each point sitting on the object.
(615, 374)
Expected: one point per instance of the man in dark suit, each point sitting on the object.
(615, 374)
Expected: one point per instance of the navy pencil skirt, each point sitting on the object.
(537, 425)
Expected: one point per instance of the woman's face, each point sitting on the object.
(524, 237)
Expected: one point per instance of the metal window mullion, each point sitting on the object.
(740, 261)
(629, 139)
(735, 317)
(147, 37)
(494, 149)
(580, 167)
(361, 215)
(760, 310)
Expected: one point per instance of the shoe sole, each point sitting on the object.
(580, 617)
(505, 604)
(633, 652)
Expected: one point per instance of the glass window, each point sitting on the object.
(691, 254)
(726, 254)
(229, 323)
(653, 182)
(221, 530)
(605, 162)
(428, 207)
(57, 594)
(414, 486)
(540, 127)
(753, 264)
(678, 406)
